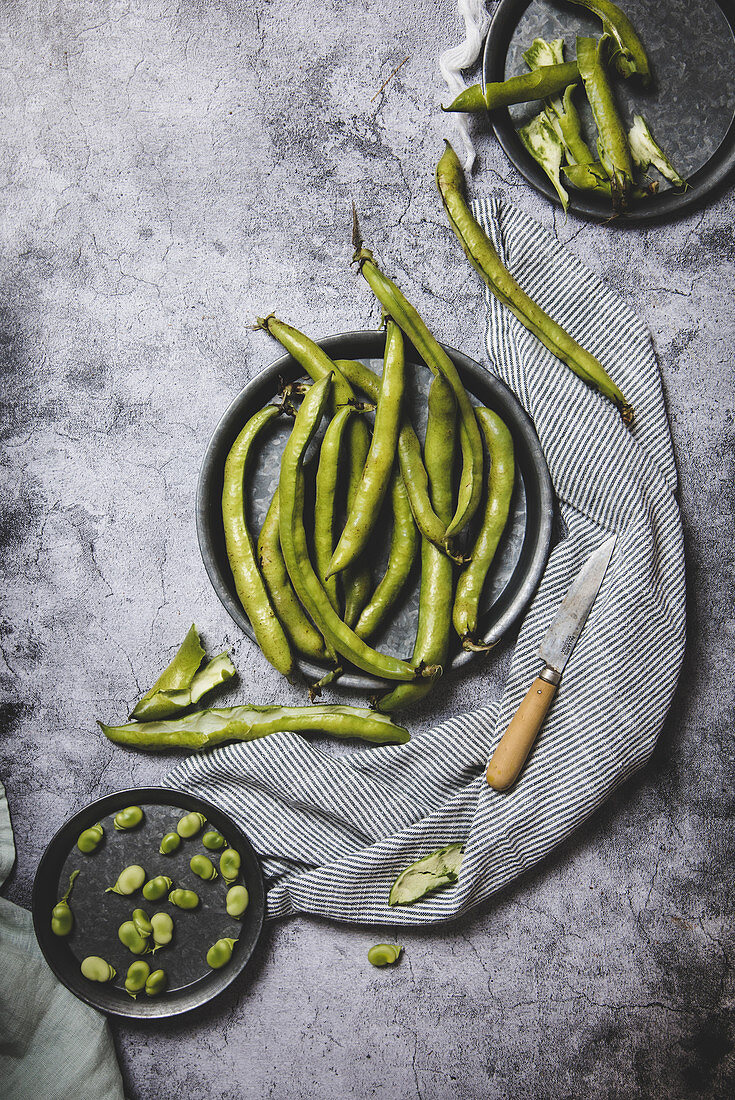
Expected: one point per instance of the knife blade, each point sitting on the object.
(555, 650)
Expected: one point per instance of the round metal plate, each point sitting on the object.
(523, 551)
(689, 106)
(98, 915)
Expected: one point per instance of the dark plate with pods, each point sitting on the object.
(690, 104)
(521, 555)
(98, 915)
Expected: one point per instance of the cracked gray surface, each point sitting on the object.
(170, 170)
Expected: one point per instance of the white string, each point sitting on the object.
(454, 60)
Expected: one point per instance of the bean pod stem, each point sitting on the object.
(303, 635)
(369, 494)
(207, 728)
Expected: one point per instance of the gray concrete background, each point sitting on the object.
(168, 171)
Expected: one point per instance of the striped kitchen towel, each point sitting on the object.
(334, 832)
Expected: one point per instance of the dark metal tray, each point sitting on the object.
(523, 551)
(689, 106)
(98, 915)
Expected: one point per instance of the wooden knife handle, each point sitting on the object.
(515, 744)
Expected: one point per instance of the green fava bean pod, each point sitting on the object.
(190, 824)
(203, 867)
(318, 365)
(437, 571)
(184, 899)
(128, 881)
(163, 929)
(249, 583)
(142, 923)
(237, 901)
(229, 865)
(482, 255)
(90, 839)
(131, 938)
(156, 983)
(220, 953)
(129, 818)
(614, 145)
(357, 578)
(169, 843)
(325, 503)
(497, 507)
(62, 918)
(404, 544)
(368, 497)
(570, 127)
(433, 354)
(384, 954)
(545, 81)
(157, 888)
(138, 974)
(302, 633)
(213, 841)
(96, 969)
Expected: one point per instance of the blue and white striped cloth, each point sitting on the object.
(334, 832)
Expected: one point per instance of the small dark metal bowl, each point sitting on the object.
(98, 915)
(690, 104)
(523, 551)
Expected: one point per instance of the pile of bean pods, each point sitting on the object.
(140, 933)
(554, 137)
(306, 586)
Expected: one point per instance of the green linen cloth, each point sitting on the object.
(52, 1046)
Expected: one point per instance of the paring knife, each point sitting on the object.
(555, 650)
